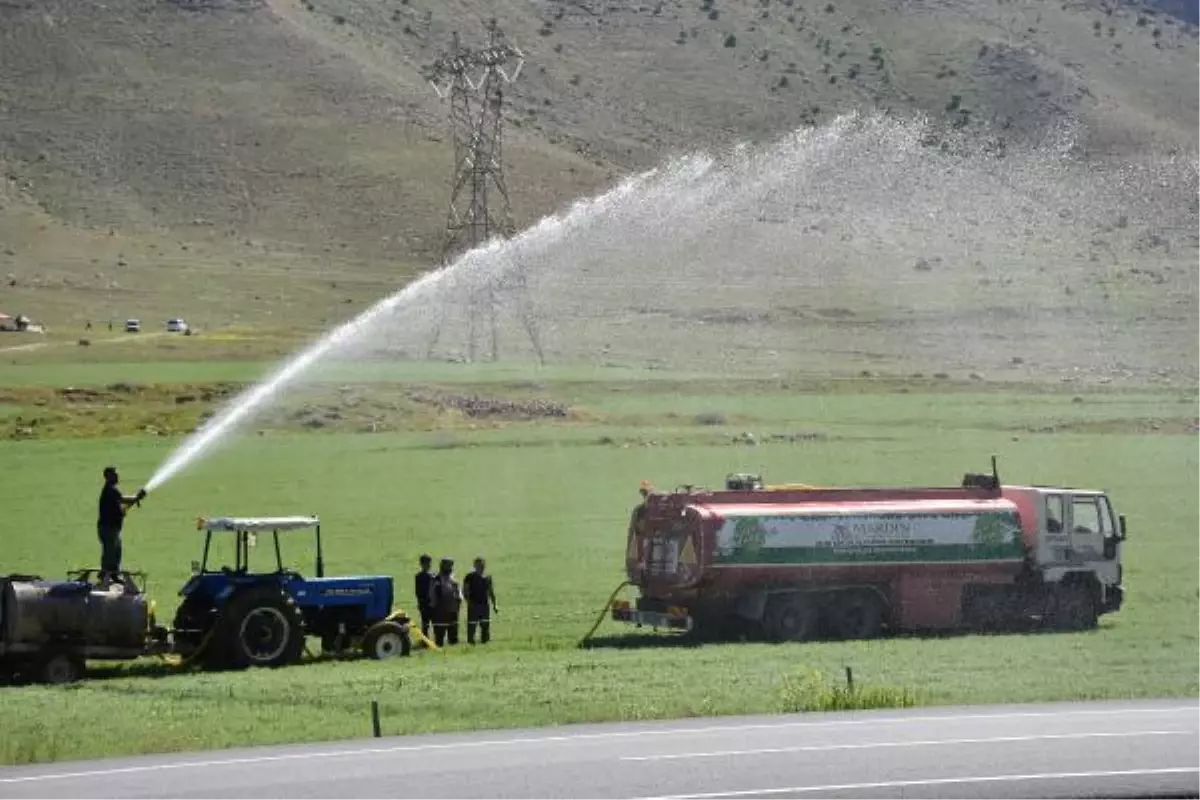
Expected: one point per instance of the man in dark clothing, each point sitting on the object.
(446, 598)
(424, 589)
(113, 506)
(480, 595)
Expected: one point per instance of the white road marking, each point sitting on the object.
(925, 743)
(843, 787)
(583, 737)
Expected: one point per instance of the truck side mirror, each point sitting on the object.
(1121, 526)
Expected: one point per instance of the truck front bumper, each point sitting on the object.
(1114, 597)
(675, 619)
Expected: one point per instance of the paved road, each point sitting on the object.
(1133, 749)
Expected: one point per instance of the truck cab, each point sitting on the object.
(1077, 537)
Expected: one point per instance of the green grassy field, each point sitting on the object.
(547, 503)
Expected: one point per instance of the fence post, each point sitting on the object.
(375, 718)
(849, 679)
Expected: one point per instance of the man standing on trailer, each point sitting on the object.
(480, 596)
(113, 506)
(446, 600)
(423, 586)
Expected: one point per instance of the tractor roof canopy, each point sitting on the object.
(256, 524)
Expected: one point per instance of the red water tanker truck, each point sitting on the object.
(795, 562)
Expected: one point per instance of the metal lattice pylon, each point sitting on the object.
(474, 80)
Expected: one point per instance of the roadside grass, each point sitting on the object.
(813, 690)
(547, 504)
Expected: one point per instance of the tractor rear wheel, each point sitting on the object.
(386, 639)
(792, 618)
(260, 627)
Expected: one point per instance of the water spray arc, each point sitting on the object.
(786, 230)
(473, 81)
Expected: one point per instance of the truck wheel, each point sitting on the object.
(1074, 609)
(386, 639)
(792, 618)
(858, 615)
(261, 627)
(60, 668)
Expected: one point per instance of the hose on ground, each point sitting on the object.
(603, 614)
(413, 629)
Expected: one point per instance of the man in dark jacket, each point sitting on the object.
(446, 598)
(113, 506)
(480, 596)
(423, 586)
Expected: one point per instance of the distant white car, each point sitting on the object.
(133, 326)
(177, 326)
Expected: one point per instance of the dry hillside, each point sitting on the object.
(291, 147)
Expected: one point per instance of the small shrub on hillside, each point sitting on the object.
(731, 41)
(812, 690)
(955, 102)
(829, 9)
(710, 418)
(338, 19)
(714, 14)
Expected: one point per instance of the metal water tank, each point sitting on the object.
(69, 611)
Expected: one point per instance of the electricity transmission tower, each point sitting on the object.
(474, 80)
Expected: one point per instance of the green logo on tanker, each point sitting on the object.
(996, 530)
(749, 536)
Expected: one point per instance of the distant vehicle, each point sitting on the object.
(133, 326)
(176, 326)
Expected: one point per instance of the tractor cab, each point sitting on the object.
(272, 609)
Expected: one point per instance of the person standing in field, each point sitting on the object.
(480, 595)
(423, 586)
(113, 506)
(446, 599)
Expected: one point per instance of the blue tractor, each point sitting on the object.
(232, 617)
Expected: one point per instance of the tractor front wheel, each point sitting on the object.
(386, 639)
(261, 627)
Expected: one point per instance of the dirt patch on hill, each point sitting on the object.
(122, 409)
(1141, 425)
